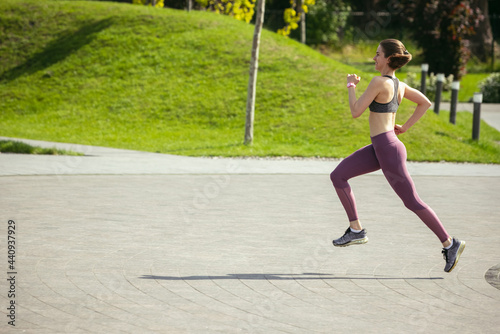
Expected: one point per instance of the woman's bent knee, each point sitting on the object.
(337, 180)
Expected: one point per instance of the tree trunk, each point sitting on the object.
(303, 27)
(254, 65)
(302, 21)
(481, 41)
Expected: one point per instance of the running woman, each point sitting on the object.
(387, 152)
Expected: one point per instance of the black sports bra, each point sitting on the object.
(391, 106)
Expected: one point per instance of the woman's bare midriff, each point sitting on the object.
(381, 122)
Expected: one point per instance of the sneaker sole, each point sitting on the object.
(460, 250)
(353, 242)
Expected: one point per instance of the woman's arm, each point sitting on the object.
(423, 104)
(358, 106)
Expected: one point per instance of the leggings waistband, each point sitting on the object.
(384, 138)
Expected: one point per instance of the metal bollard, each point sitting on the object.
(455, 86)
(425, 68)
(476, 120)
(439, 88)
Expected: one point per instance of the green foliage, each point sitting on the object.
(292, 15)
(169, 81)
(490, 87)
(325, 21)
(242, 10)
(441, 29)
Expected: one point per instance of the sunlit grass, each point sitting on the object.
(169, 81)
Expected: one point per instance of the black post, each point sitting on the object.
(425, 68)
(439, 88)
(476, 121)
(455, 86)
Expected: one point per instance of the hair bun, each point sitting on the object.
(396, 51)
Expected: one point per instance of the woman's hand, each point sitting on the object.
(353, 78)
(398, 129)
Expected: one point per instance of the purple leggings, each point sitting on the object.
(388, 153)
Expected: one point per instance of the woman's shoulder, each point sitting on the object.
(377, 79)
(380, 80)
(376, 82)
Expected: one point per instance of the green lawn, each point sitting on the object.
(163, 80)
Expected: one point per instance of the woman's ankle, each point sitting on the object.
(356, 225)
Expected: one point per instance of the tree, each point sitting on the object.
(254, 65)
(326, 21)
(441, 29)
(293, 15)
(153, 3)
(482, 40)
(242, 10)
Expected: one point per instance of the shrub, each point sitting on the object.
(430, 84)
(326, 21)
(490, 87)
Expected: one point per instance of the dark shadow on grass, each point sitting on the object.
(443, 134)
(17, 147)
(268, 277)
(58, 50)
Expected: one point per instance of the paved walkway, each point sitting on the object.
(490, 112)
(129, 242)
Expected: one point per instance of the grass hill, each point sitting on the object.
(169, 81)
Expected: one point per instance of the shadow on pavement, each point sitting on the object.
(304, 276)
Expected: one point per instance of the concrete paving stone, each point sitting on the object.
(126, 242)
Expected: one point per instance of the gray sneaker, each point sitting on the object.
(351, 238)
(453, 254)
